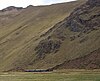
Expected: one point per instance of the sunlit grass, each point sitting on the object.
(52, 76)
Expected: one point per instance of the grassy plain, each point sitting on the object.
(79, 75)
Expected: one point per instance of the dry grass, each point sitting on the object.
(19, 37)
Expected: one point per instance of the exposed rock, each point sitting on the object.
(47, 47)
(94, 2)
(84, 19)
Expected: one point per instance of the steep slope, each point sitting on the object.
(76, 36)
(90, 61)
(8, 14)
(90, 18)
(20, 36)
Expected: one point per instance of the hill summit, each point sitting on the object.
(10, 8)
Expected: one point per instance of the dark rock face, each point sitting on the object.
(94, 2)
(46, 47)
(86, 17)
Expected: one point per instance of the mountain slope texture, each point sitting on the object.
(58, 36)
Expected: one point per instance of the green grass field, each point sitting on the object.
(52, 76)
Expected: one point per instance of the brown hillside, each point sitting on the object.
(20, 36)
(90, 61)
(76, 36)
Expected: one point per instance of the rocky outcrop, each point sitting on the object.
(83, 19)
(47, 47)
(93, 2)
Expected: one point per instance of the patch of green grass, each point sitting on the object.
(52, 76)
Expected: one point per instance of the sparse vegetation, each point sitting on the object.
(22, 33)
(45, 36)
(52, 76)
